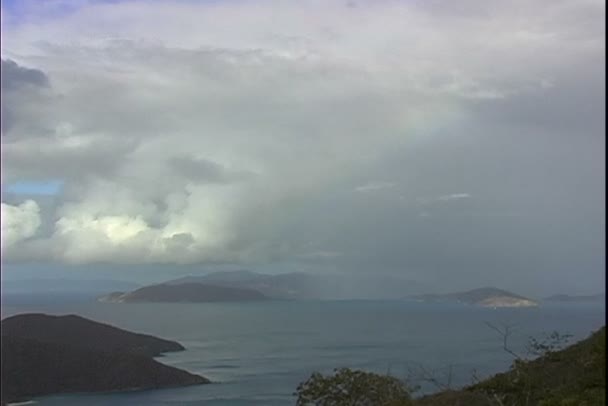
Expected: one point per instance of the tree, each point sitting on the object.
(348, 387)
(527, 379)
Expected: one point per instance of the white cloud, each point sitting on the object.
(443, 198)
(374, 186)
(19, 222)
(454, 196)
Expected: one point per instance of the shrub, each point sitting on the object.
(348, 387)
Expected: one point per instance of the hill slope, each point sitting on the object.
(488, 297)
(294, 285)
(80, 332)
(310, 286)
(42, 355)
(185, 292)
(573, 376)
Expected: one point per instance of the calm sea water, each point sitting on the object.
(257, 353)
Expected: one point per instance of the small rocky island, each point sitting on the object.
(185, 292)
(44, 355)
(486, 297)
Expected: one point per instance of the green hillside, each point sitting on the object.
(575, 376)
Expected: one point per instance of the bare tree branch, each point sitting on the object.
(505, 332)
(433, 376)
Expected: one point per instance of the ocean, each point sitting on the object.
(258, 353)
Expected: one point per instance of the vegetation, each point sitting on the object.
(574, 376)
(348, 387)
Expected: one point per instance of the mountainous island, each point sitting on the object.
(292, 285)
(243, 285)
(486, 297)
(185, 292)
(309, 286)
(226, 286)
(44, 354)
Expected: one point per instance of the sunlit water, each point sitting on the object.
(257, 353)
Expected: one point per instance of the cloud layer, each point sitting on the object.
(236, 132)
(19, 222)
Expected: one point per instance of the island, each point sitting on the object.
(303, 285)
(185, 292)
(44, 354)
(486, 297)
(292, 285)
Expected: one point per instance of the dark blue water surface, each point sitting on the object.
(257, 353)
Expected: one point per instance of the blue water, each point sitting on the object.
(257, 353)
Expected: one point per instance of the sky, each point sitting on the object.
(455, 144)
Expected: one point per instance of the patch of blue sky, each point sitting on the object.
(46, 188)
(20, 9)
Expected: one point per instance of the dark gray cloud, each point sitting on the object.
(20, 85)
(206, 171)
(58, 157)
(16, 77)
(7, 118)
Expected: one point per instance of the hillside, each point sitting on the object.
(487, 297)
(240, 276)
(43, 355)
(185, 292)
(310, 286)
(293, 285)
(84, 333)
(573, 376)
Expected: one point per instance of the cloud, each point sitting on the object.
(22, 89)
(195, 143)
(374, 186)
(63, 155)
(19, 222)
(205, 171)
(443, 198)
(454, 196)
(139, 168)
(16, 77)
(321, 255)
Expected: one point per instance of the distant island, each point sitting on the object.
(44, 355)
(292, 285)
(486, 297)
(601, 297)
(225, 286)
(295, 285)
(243, 285)
(185, 292)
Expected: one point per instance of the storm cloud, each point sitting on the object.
(17, 77)
(20, 86)
(447, 142)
